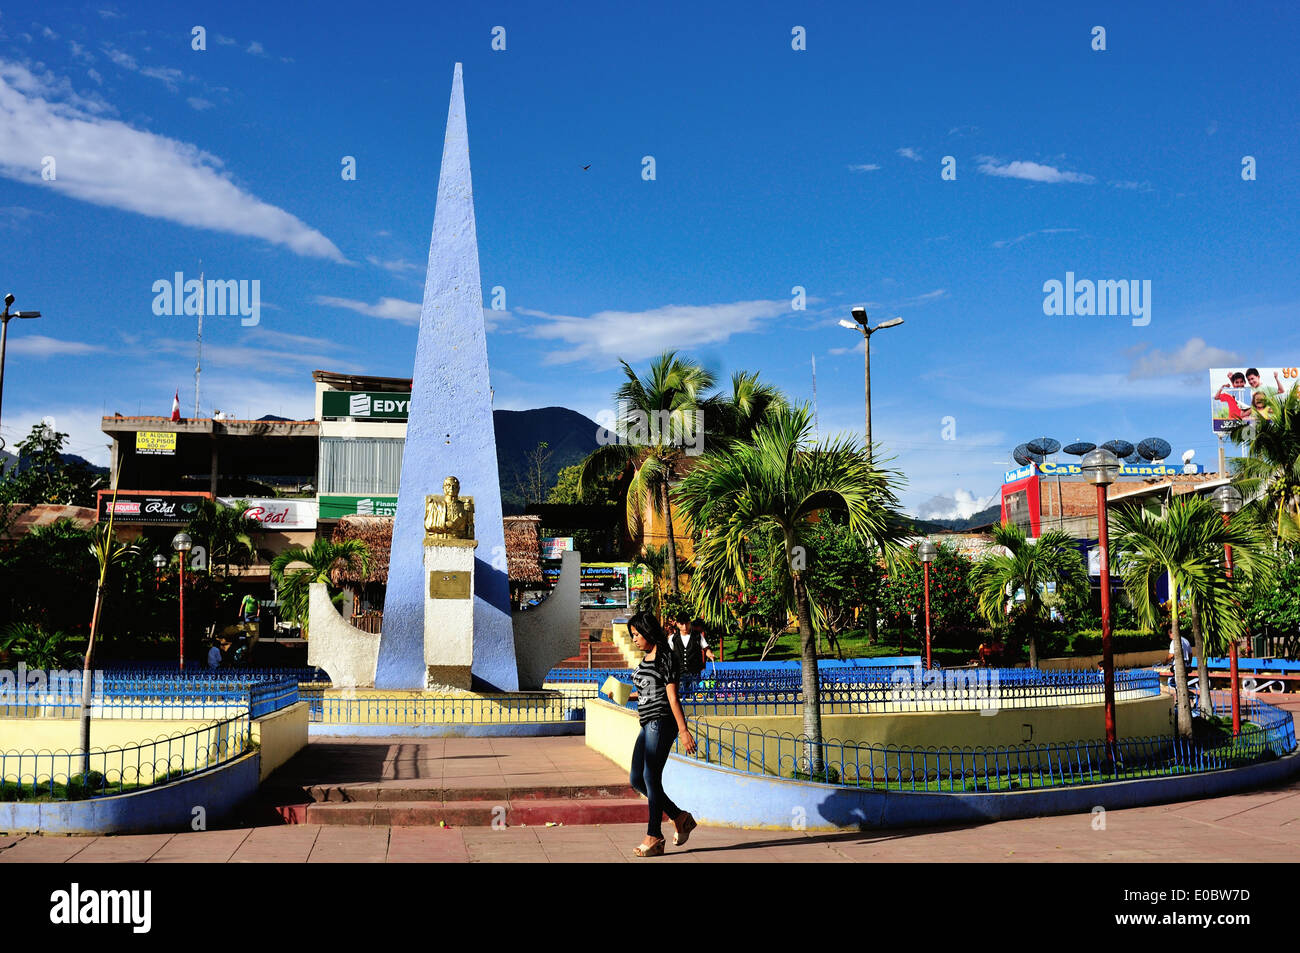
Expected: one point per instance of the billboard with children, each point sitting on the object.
(1237, 394)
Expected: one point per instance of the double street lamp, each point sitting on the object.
(1228, 500)
(928, 551)
(859, 324)
(1101, 468)
(182, 543)
(4, 334)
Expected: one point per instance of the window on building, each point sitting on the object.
(360, 465)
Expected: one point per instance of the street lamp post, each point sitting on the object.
(1101, 468)
(4, 335)
(182, 543)
(1228, 499)
(159, 564)
(861, 326)
(928, 551)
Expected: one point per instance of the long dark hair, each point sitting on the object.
(648, 626)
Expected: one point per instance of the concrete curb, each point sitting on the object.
(729, 798)
(167, 807)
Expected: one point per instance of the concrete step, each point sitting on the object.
(387, 791)
(534, 812)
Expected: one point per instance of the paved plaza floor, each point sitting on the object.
(1261, 825)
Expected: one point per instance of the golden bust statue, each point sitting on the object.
(449, 515)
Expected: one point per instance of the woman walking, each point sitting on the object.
(661, 722)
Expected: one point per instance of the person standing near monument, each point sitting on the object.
(662, 721)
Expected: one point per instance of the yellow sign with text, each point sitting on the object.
(160, 443)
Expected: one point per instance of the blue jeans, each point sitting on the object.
(648, 759)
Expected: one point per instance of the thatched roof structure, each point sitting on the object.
(44, 514)
(524, 548)
(377, 533)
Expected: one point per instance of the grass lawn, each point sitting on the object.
(1246, 749)
(855, 645)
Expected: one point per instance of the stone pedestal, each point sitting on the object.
(449, 612)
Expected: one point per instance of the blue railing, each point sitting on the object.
(1270, 733)
(569, 705)
(116, 696)
(63, 775)
(161, 671)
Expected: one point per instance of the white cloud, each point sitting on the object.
(1004, 243)
(107, 162)
(82, 424)
(868, 167)
(197, 102)
(907, 152)
(110, 15)
(1193, 359)
(168, 76)
(79, 52)
(39, 346)
(960, 504)
(1029, 171)
(397, 266)
(1131, 186)
(256, 49)
(928, 296)
(392, 309)
(225, 40)
(605, 337)
(94, 74)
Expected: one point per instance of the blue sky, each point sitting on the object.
(774, 167)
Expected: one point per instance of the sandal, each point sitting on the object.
(684, 824)
(650, 850)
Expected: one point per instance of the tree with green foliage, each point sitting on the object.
(1273, 605)
(656, 413)
(568, 489)
(1025, 566)
(775, 484)
(292, 581)
(225, 533)
(1269, 474)
(954, 607)
(41, 475)
(1185, 543)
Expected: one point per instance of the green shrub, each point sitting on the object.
(1088, 641)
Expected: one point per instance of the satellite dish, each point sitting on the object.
(1188, 455)
(1024, 456)
(1043, 445)
(1121, 448)
(1133, 459)
(1080, 448)
(1154, 448)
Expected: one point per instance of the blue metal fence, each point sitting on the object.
(1269, 734)
(117, 696)
(62, 775)
(414, 709)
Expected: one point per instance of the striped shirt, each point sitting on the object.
(652, 677)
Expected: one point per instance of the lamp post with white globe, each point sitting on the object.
(182, 543)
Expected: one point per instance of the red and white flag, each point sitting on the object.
(176, 407)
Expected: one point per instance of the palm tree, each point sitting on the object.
(1186, 543)
(1029, 567)
(655, 412)
(225, 532)
(292, 582)
(773, 485)
(1270, 472)
(735, 416)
